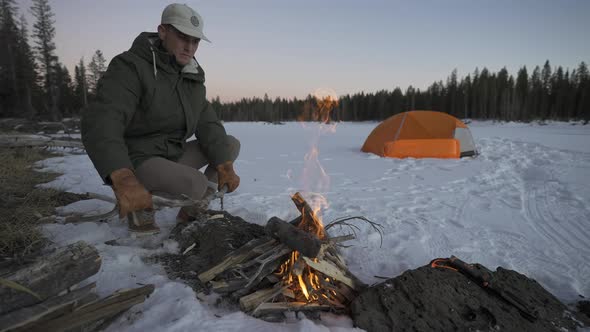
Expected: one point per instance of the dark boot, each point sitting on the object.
(142, 222)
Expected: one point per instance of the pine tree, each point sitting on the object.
(452, 98)
(536, 93)
(502, 94)
(44, 32)
(27, 70)
(65, 89)
(521, 92)
(8, 57)
(475, 111)
(582, 82)
(466, 87)
(546, 98)
(484, 92)
(96, 68)
(81, 85)
(558, 94)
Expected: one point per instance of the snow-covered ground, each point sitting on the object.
(523, 204)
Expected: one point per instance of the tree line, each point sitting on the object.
(545, 94)
(36, 85)
(33, 82)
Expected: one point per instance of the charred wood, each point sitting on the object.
(295, 238)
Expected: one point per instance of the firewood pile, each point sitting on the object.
(44, 295)
(295, 267)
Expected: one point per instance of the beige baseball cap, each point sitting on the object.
(185, 19)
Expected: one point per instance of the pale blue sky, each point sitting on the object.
(291, 48)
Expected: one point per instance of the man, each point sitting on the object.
(149, 102)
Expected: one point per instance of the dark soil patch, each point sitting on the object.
(214, 235)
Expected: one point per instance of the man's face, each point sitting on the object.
(182, 46)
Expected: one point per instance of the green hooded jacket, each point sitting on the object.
(148, 106)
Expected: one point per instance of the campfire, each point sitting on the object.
(297, 267)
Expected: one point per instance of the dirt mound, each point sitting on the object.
(212, 236)
(434, 299)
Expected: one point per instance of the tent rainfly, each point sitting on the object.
(421, 134)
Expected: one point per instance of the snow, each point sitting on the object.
(522, 204)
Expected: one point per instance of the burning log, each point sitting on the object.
(309, 221)
(295, 238)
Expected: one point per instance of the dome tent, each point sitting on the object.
(421, 134)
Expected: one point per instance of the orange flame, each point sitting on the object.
(308, 281)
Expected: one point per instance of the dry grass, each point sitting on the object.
(21, 204)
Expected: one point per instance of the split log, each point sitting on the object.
(228, 286)
(295, 238)
(96, 311)
(242, 270)
(269, 262)
(332, 270)
(250, 302)
(244, 253)
(49, 275)
(53, 307)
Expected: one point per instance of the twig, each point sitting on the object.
(342, 222)
(339, 239)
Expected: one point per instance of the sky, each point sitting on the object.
(292, 48)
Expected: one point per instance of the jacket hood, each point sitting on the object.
(149, 47)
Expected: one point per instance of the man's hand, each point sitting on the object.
(226, 176)
(131, 195)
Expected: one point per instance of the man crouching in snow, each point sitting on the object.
(149, 102)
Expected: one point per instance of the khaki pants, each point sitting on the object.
(183, 177)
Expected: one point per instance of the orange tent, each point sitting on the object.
(421, 134)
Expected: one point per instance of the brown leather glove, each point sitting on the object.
(131, 195)
(226, 176)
